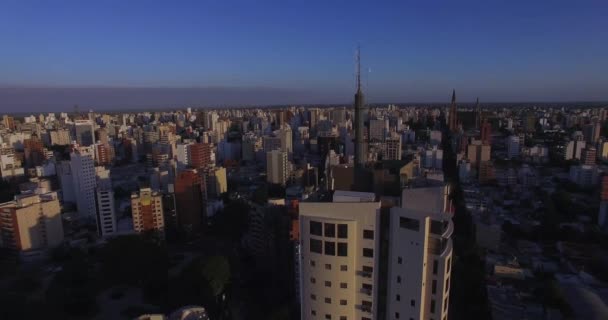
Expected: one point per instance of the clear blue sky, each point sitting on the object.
(417, 50)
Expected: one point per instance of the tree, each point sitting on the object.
(216, 270)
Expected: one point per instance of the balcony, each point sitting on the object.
(366, 291)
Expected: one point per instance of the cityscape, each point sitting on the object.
(336, 200)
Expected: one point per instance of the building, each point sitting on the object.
(513, 147)
(82, 170)
(103, 154)
(183, 155)
(190, 200)
(391, 148)
(435, 137)
(588, 156)
(60, 137)
(147, 209)
(34, 152)
(277, 167)
(339, 253)
(85, 132)
(486, 132)
(602, 219)
(216, 181)
(106, 209)
(378, 129)
(271, 144)
(453, 115)
(420, 253)
(200, 155)
(31, 222)
(584, 175)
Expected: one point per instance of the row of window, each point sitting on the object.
(316, 246)
(317, 228)
(343, 285)
(328, 300)
(343, 267)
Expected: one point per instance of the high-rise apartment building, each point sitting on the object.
(85, 132)
(106, 211)
(147, 208)
(34, 152)
(60, 137)
(339, 253)
(391, 147)
(200, 155)
(588, 156)
(190, 199)
(420, 253)
(277, 167)
(82, 169)
(31, 222)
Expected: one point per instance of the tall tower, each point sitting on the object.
(453, 119)
(478, 115)
(360, 145)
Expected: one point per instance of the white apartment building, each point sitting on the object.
(106, 211)
(277, 167)
(420, 254)
(339, 253)
(83, 175)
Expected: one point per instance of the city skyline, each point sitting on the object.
(263, 54)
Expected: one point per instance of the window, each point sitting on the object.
(343, 285)
(413, 303)
(398, 298)
(313, 297)
(330, 248)
(330, 230)
(342, 302)
(435, 266)
(328, 316)
(367, 287)
(368, 234)
(411, 224)
(368, 269)
(328, 266)
(447, 284)
(342, 249)
(434, 287)
(448, 266)
(399, 260)
(342, 317)
(343, 267)
(342, 231)
(398, 279)
(313, 280)
(396, 315)
(316, 246)
(316, 228)
(312, 263)
(433, 306)
(367, 252)
(313, 312)
(328, 284)
(327, 300)
(445, 304)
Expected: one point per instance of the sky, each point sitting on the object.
(251, 52)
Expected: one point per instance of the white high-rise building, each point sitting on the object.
(83, 175)
(183, 155)
(340, 248)
(513, 147)
(106, 211)
(277, 167)
(420, 254)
